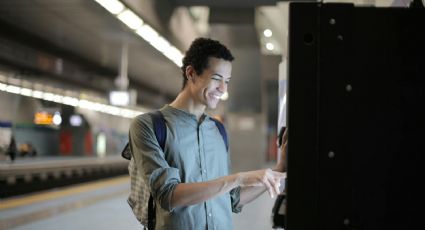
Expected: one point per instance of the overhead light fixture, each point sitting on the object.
(161, 44)
(120, 98)
(37, 94)
(267, 33)
(269, 46)
(126, 112)
(26, 92)
(75, 120)
(85, 104)
(134, 22)
(48, 96)
(174, 55)
(57, 119)
(147, 33)
(13, 89)
(113, 6)
(3, 87)
(98, 107)
(130, 19)
(72, 101)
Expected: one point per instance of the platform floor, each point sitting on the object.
(100, 205)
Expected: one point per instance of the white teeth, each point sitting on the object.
(215, 96)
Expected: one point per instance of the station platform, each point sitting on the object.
(31, 174)
(99, 205)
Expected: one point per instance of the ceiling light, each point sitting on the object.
(85, 104)
(57, 98)
(269, 46)
(178, 62)
(168, 50)
(3, 87)
(75, 120)
(174, 55)
(267, 33)
(98, 107)
(57, 119)
(113, 6)
(133, 21)
(37, 94)
(121, 98)
(70, 101)
(130, 19)
(26, 92)
(48, 96)
(147, 33)
(13, 89)
(161, 44)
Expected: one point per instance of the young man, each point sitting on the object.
(190, 179)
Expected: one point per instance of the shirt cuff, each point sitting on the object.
(235, 197)
(162, 183)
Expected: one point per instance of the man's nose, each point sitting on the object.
(222, 86)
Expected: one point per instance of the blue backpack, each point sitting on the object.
(140, 199)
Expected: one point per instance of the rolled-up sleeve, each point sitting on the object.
(151, 163)
(235, 194)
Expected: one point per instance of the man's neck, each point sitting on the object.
(185, 102)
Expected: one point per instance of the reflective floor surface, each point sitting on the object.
(100, 205)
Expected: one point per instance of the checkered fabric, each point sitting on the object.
(139, 194)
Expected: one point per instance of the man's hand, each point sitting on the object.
(266, 178)
(283, 148)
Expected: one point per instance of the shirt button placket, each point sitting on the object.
(201, 156)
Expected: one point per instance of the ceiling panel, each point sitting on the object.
(85, 29)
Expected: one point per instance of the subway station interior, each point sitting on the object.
(346, 77)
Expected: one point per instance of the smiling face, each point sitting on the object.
(211, 84)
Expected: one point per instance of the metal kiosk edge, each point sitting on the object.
(356, 117)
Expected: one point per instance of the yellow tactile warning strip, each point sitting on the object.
(56, 210)
(50, 195)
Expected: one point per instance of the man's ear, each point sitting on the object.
(190, 73)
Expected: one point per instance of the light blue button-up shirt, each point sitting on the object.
(194, 152)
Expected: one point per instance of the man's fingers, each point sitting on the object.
(274, 179)
(269, 187)
(276, 184)
(278, 175)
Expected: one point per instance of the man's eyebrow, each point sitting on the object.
(218, 75)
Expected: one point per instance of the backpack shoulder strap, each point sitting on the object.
(222, 131)
(160, 130)
(126, 153)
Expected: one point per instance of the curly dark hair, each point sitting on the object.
(199, 53)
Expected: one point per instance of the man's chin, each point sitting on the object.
(212, 105)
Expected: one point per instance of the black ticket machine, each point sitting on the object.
(355, 117)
